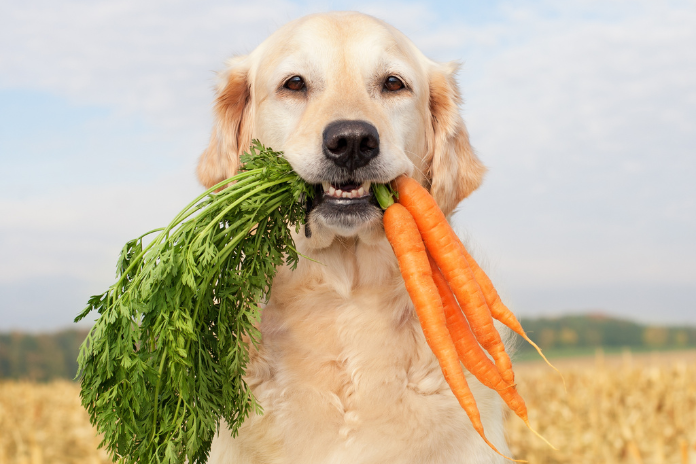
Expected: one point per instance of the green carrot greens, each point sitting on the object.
(165, 359)
(385, 195)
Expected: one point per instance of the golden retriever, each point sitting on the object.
(343, 372)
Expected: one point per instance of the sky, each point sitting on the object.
(584, 112)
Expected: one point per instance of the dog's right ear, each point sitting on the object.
(231, 134)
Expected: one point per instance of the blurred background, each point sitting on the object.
(583, 110)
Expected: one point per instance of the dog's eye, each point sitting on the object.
(295, 83)
(393, 83)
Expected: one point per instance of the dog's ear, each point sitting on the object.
(454, 171)
(231, 134)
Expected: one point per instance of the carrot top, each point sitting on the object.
(385, 195)
(165, 360)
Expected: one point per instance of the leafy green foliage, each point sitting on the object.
(166, 358)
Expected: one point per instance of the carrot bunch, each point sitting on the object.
(454, 299)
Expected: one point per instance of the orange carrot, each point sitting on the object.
(437, 235)
(471, 354)
(403, 235)
(498, 309)
(468, 349)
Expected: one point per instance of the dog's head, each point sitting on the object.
(350, 101)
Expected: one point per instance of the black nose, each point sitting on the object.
(351, 144)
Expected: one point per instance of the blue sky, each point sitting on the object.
(584, 111)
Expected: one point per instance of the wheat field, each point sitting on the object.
(623, 409)
(626, 409)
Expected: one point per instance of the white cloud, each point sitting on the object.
(77, 232)
(587, 125)
(150, 59)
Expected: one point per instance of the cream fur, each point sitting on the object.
(343, 371)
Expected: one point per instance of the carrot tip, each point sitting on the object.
(496, 450)
(565, 387)
(539, 435)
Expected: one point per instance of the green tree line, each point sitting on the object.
(40, 357)
(593, 331)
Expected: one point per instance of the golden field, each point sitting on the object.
(638, 409)
(618, 409)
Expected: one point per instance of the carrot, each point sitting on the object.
(437, 235)
(403, 235)
(468, 349)
(498, 309)
(471, 354)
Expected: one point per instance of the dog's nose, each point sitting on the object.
(351, 144)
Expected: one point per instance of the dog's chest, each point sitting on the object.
(345, 376)
(354, 377)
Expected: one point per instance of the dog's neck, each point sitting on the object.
(345, 263)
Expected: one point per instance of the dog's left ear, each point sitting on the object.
(231, 134)
(454, 171)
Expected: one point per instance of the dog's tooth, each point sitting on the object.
(338, 193)
(361, 191)
(332, 191)
(366, 186)
(346, 194)
(326, 186)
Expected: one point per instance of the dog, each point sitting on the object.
(343, 372)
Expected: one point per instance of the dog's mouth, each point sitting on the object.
(344, 206)
(350, 190)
